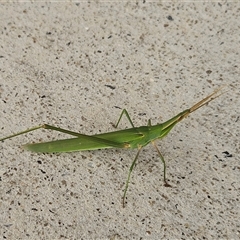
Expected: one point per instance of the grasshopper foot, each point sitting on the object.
(166, 184)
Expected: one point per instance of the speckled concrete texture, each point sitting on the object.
(76, 65)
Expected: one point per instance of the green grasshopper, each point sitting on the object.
(135, 137)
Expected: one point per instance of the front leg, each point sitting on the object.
(164, 165)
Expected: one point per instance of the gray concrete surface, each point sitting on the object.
(76, 65)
